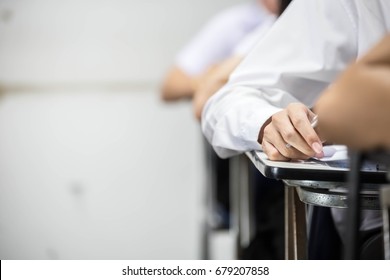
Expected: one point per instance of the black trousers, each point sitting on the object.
(325, 243)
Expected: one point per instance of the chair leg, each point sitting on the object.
(385, 201)
(295, 226)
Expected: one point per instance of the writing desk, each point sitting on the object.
(318, 183)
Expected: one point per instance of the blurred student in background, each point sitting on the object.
(201, 68)
(214, 43)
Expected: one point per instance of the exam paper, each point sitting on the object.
(335, 159)
(334, 152)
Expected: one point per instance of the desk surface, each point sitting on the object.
(328, 171)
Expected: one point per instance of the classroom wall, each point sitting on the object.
(92, 164)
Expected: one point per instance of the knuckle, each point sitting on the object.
(311, 138)
(278, 117)
(299, 122)
(287, 152)
(274, 155)
(288, 134)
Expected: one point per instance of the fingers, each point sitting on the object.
(301, 117)
(279, 149)
(272, 152)
(290, 135)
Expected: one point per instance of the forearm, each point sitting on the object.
(231, 121)
(356, 110)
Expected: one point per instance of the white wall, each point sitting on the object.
(98, 40)
(92, 164)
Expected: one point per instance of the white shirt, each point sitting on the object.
(305, 50)
(218, 39)
(250, 40)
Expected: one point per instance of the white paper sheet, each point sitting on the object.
(334, 152)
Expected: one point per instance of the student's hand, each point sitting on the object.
(177, 85)
(291, 126)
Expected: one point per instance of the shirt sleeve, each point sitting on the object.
(307, 47)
